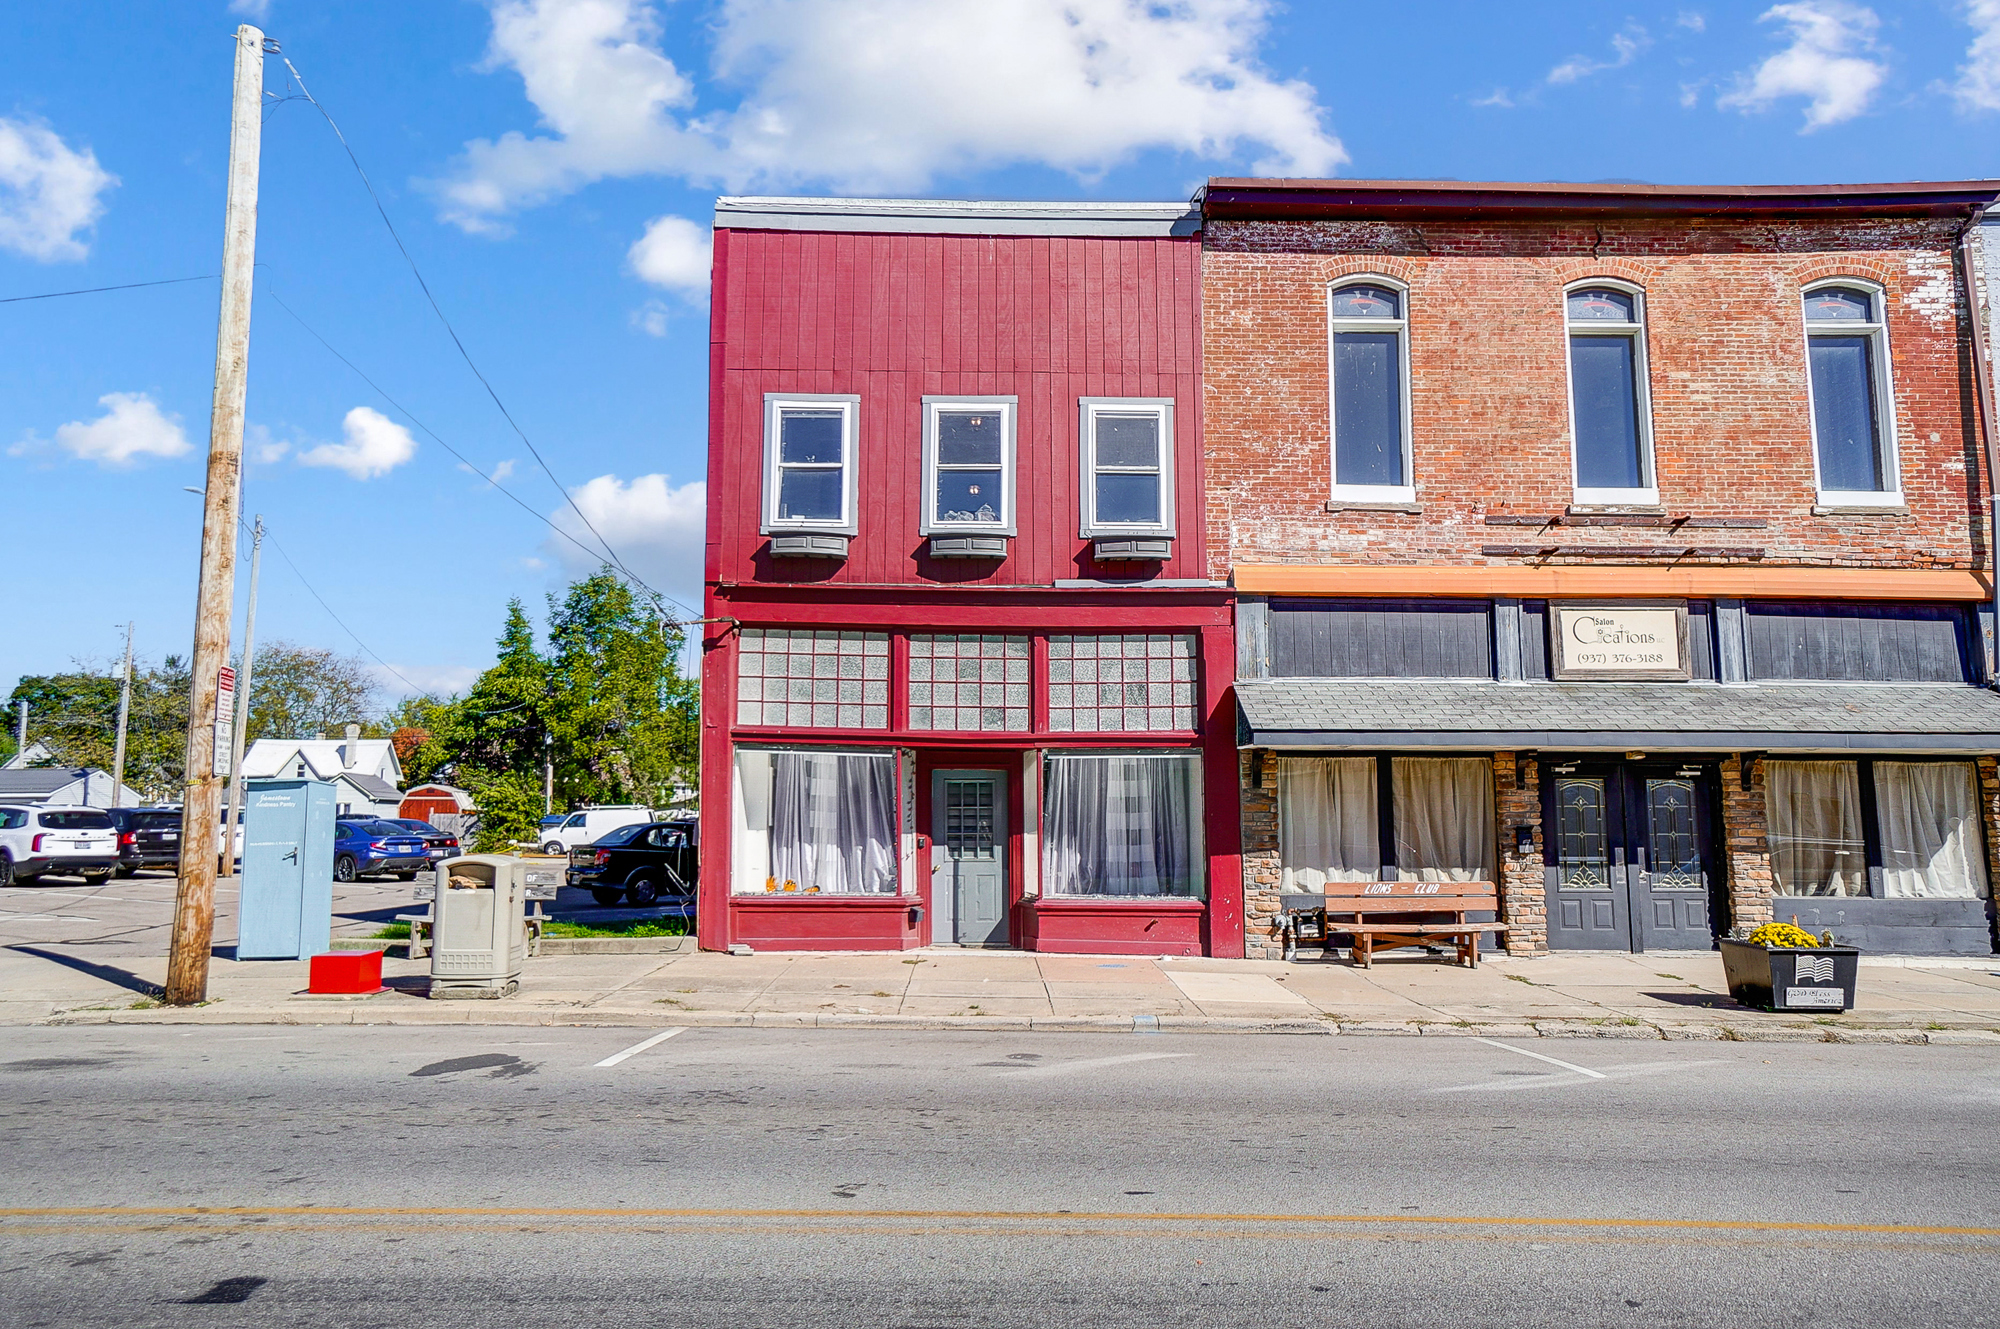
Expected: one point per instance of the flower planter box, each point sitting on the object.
(1817, 978)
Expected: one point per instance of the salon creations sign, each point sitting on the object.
(1618, 641)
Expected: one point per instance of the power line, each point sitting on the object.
(464, 354)
(96, 290)
(336, 617)
(404, 411)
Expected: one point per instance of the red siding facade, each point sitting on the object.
(891, 305)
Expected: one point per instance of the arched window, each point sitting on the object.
(1848, 362)
(1610, 415)
(1368, 358)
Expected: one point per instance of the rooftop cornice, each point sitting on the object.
(1240, 198)
(933, 216)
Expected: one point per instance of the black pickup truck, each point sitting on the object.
(639, 864)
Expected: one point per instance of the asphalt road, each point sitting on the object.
(483, 1177)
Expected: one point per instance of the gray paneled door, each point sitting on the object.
(969, 855)
(1630, 859)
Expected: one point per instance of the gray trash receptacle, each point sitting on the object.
(479, 933)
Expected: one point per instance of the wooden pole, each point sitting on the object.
(232, 803)
(124, 714)
(194, 905)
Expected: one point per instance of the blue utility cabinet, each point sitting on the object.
(286, 908)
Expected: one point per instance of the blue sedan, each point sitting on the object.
(371, 846)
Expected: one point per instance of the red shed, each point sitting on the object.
(970, 679)
(427, 801)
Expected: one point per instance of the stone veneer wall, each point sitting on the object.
(1261, 872)
(1745, 845)
(1523, 882)
(1989, 815)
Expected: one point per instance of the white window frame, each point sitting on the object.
(929, 523)
(1400, 325)
(1877, 331)
(775, 404)
(1088, 409)
(1647, 495)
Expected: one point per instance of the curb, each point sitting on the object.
(368, 1013)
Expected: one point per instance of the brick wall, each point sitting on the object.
(1489, 395)
(1989, 814)
(1746, 845)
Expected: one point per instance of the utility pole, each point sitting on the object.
(233, 804)
(548, 772)
(124, 714)
(21, 732)
(194, 904)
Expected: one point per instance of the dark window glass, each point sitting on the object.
(76, 821)
(1843, 391)
(1603, 380)
(1367, 409)
(154, 821)
(807, 437)
(621, 835)
(967, 438)
(965, 495)
(1365, 302)
(1600, 307)
(1583, 857)
(1128, 499)
(1834, 304)
(813, 495)
(1672, 837)
(1128, 440)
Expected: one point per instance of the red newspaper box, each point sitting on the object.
(344, 972)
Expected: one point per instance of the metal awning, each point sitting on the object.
(1687, 717)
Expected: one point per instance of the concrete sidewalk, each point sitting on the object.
(1678, 996)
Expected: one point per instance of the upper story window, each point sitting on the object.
(1127, 446)
(1370, 380)
(809, 463)
(1847, 359)
(1610, 415)
(969, 465)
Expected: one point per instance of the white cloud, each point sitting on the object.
(1499, 98)
(254, 10)
(1625, 48)
(675, 255)
(879, 95)
(1692, 19)
(131, 427)
(655, 527)
(1825, 63)
(372, 445)
(651, 318)
(430, 680)
(50, 193)
(1978, 87)
(264, 449)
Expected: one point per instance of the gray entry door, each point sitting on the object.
(969, 855)
(1588, 905)
(1670, 870)
(1629, 858)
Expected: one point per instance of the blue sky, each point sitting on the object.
(551, 165)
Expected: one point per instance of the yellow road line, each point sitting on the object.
(988, 1215)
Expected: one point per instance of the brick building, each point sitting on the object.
(1625, 545)
(966, 679)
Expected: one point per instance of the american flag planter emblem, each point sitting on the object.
(1790, 978)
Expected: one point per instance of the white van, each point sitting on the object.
(581, 828)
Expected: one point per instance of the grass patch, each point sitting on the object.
(1517, 978)
(393, 932)
(642, 927)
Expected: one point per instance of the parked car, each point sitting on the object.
(590, 825)
(439, 844)
(370, 846)
(640, 864)
(147, 838)
(72, 840)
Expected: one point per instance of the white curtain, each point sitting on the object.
(833, 822)
(1815, 818)
(1443, 814)
(1327, 829)
(1120, 826)
(1931, 843)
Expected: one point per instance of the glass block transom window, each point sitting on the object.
(813, 678)
(969, 682)
(1136, 681)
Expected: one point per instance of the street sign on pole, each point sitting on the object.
(225, 719)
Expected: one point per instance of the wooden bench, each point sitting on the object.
(1387, 915)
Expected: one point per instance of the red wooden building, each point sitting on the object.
(969, 679)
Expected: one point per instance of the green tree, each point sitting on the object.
(299, 691)
(75, 715)
(623, 717)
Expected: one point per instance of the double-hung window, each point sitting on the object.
(809, 466)
(1127, 446)
(1369, 356)
(1610, 415)
(1846, 356)
(968, 466)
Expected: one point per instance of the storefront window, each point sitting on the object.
(1444, 818)
(1932, 848)
(1128, 683)
(1815, 837)
(1327, 824)
(1122, 825)
(815, 823)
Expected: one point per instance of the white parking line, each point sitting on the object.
(637, 1048)
(1095, 1063)
(1580, 1070)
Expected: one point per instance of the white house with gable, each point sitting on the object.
(366, 776)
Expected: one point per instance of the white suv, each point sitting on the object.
(66, 839)
(584, 827)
